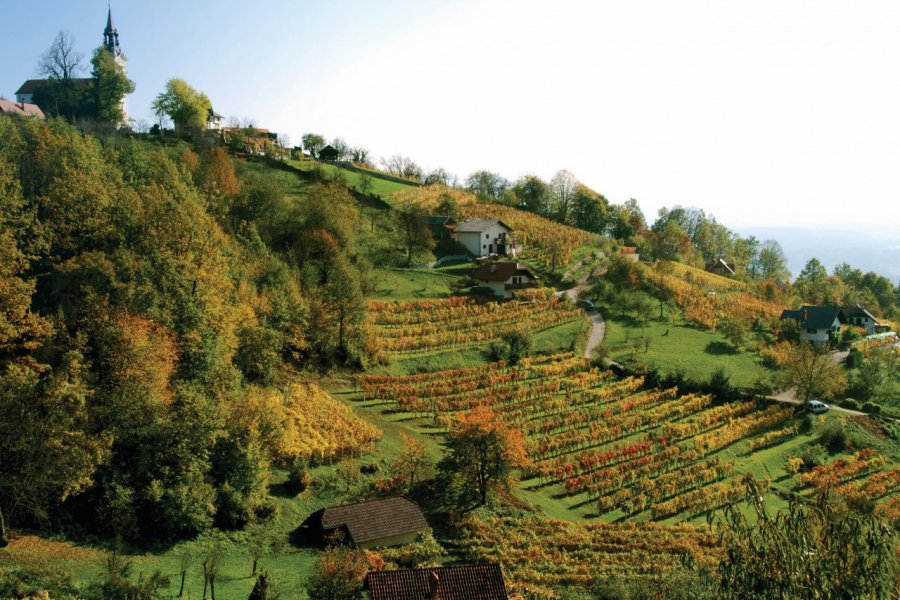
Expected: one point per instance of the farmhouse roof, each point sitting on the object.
(501, 271)
(21, 108)
(814, 317)
(435, 220)
(31, 85)
(479, 225)
(721, 264)
(467, 582)
(858, 311)
(376, 519)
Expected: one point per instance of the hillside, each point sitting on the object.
(199, 350)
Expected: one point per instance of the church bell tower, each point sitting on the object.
(111, 43)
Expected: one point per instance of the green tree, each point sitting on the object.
(413, 224)
(532, 194)
(562, 195)
(487, 186)
(812, 281)
(313, 142)
(187, 107)
(811, 549)
(810, 370)
(110, 87)
(771, 263)
(346, 309)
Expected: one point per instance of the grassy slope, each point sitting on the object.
(378, 187)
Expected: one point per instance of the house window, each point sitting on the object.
(811, 331)
(484, 246)
(487, 235)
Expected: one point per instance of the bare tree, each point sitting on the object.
(61, 61)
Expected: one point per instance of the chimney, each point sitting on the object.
(434, 593)
(805, 316)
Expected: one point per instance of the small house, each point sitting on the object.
(23, 109)
(213, 120)
(441, 227)
(860, 317)
(372, 524)
(329, 153)
(482, 237)
(817, 323)
(721, 267)
(503, 278)
(465, 582)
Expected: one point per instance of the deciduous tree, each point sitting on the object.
(110, 87)
(187, 107)
(810, 370)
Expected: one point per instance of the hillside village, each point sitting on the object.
(237, 368)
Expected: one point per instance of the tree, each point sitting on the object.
(110, 87)
(771, 262)
(61, 61)
(812, 281)
(483, 452)
(339, 574)
(342, 147)
(562, 195)
(734, 330)
(487, 186)
(810, 370)
(413, 224)
(590, 210)
(403, 166)
(532, 194)
(359, 155)
(188, 108)
(812, 549)
(313, 142)
(345, 303)
(512, 347)
(626, 220)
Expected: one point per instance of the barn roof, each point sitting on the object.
(466, 582)
(435, 220)
(375, 519)
(479, 225)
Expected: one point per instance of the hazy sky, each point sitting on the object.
(760, 112)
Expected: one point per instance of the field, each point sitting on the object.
(379, 187)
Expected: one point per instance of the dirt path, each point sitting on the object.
(598, 324)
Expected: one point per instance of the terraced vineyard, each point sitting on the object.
(540, 554)
(431, 325)
(597, 440)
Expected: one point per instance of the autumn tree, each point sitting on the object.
(187, 107)
(483, 452)
(339, 574)
(810, 370)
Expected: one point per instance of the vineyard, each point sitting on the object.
(545, 241)
(539, 554)
(706, 298)
(431, 325)
(606, 447)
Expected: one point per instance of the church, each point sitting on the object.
(25, 93)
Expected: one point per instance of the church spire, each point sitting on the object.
(111, 35)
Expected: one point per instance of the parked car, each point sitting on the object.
(586, 304)
(816, 406)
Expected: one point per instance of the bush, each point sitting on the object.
(813, 455)
(854, 359)
(33, 581)
(833, 437)
(512, 347)
(872, 408)
(806, 423)
(720, 384)
(850, 403)
(298, 477)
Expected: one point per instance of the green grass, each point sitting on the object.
(697, 352)
(558, 339)
(412, 284)
(378, 187)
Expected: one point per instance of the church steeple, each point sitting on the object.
(111, 36)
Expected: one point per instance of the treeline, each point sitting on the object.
(146, 296)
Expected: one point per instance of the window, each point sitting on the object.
(484, 246)
(487, 235)
(813, 331)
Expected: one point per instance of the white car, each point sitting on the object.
(816, 406)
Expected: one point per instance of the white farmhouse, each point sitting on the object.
(817, 323)
(482, 237)
(860, 317)
(503, 278)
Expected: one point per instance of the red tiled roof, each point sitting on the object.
(376, 519)
(467, 582)
(24, 109)
(501, 271)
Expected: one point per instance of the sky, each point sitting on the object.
(762, 113)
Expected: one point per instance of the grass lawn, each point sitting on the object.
(672, 347)
(378, 187)
(412, 284)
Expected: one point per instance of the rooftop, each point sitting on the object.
(501, 271)
(376, 519)
(467, 582)
(479, 225)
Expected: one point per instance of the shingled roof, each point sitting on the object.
(23, 109)
(32, 85)
(501, 271)
(375, 519)
(815, 317)
(479, 225)
(467, 582)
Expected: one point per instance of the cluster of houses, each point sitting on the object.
(393, 522)
(487, 239)
(818, 323)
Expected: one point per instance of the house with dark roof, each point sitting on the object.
(466, 582)
(721, 267)
(23, 109)
(329, 153)
(441, 227)
(860, 317)
(503, 278)
(371, 524)
(482, 237)
(213, 120)
(817, 323)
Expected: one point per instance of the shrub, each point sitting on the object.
(854, 358)
(813, 455)
(833, 437)
(512, 347)
(850, 403)
(871, 408)
(720, 384)
(298, 477)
